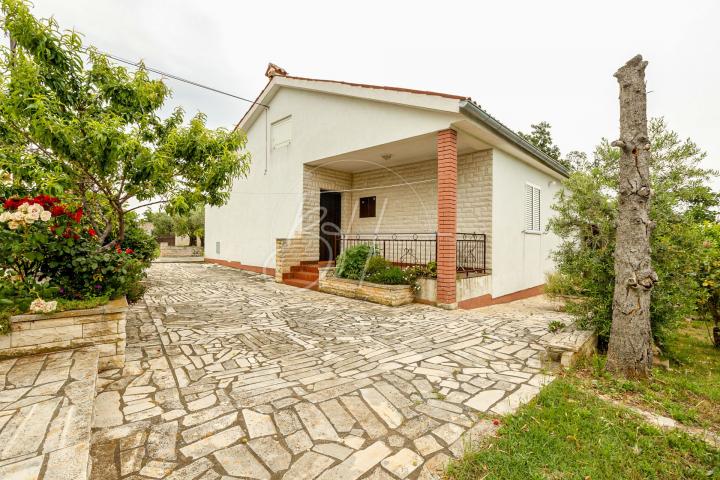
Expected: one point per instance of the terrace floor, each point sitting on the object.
(231, 375)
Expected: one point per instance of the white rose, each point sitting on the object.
(50, 306)
(35, 208)
(18, 216)
(37, 305)
(13, 225)
(4, 217)
(24, 207)
(45, 216)
(6, 178)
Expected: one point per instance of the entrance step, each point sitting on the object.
(47, 406)
(300, 283)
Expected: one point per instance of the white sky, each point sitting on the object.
(522, 61)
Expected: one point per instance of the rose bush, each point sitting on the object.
(47, 252)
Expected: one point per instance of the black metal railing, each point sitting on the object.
(406, 249)
(471, 253)
(403, 249)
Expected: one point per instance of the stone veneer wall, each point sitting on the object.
(404, 208)
(391, 295)
(102, 328)
(316, 179)
(290, 252)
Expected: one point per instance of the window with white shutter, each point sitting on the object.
(532, 208)
(281, 133)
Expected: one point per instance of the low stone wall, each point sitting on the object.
(186, 251)
(101, 327)
(465, 288)
(391, 295)
(289, 252)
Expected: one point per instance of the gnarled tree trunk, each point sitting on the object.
(630, 347)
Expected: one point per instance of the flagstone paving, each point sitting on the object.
(231, 375)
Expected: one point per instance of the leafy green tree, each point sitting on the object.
(162, 222)
(541, 137)
(72, 123)
(586, 218)
(710, 277)
(191, 224)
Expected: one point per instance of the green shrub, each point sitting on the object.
(389, 276)
(352, 262)
(376, 264)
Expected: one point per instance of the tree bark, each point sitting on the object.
(630, 346)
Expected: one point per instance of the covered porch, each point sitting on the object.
(420, 200)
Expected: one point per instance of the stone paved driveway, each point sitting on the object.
(231, 375)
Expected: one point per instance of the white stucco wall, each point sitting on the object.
(519, 260)
(269, 205)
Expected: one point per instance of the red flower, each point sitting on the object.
(496, 421)
(77, 215)
(66, 234)
(91, 232)
(128, 251)
(57, 210)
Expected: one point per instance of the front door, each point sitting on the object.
(329, 225)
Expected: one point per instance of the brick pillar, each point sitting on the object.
(447, 217)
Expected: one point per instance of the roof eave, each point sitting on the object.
(472, 111)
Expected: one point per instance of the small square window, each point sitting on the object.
(367, 207)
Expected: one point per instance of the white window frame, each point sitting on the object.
(274, 129)
(533, 212)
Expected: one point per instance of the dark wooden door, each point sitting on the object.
(330, 221)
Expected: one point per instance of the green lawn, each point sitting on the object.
(569, 433)
(689, 392)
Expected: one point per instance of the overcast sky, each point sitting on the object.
(522, 61)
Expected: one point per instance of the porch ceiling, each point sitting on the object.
(408, 150)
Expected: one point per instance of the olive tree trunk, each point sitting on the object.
(630, 347)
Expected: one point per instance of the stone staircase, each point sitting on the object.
(46, 415)
(305, 275)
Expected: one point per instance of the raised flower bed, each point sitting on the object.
(391, 295)
(102, 327)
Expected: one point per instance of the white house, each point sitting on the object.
(425, 176)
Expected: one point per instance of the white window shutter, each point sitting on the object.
(532, 208)
(528, 207)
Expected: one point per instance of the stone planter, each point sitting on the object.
(391, 295)
(101, 327)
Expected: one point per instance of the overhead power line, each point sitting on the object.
(181, 79)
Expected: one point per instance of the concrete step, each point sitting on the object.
(300, 283)
(304, 275)
(54, 427)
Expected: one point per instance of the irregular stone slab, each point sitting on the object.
(208, 445)
(208, 428)
(298, 442)
(287, 421)
(161, 441)
(309, 466)
(316, 423)
(334, 450)
(29, 468)
(201, 403)
(448, 432)
(485, 399)
(359, 463)
(191, 471)
(107, 410)
(402, 463)
(382, 407)
(374, 427)
(427, 445)
(131, 460)
(338, 416)
(516, 399)
(25, 432)
(239, 462)
(271, 453)
(258, 424)
(157, 469)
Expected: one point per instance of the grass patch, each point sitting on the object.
(568, 433)
(688, 393)
(92, 302)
